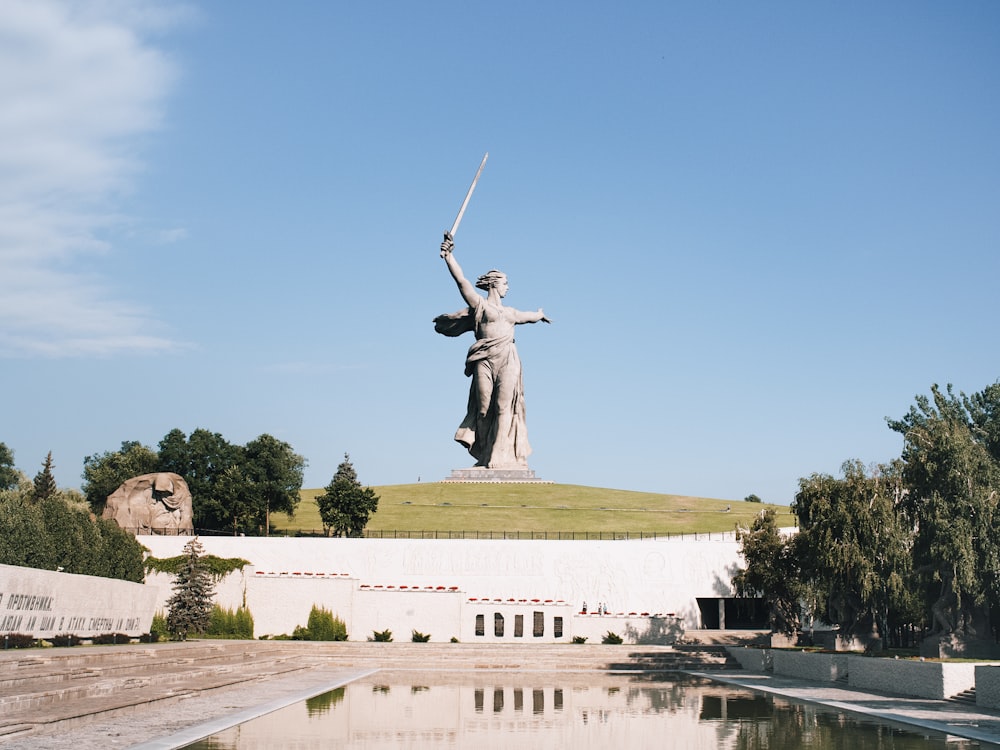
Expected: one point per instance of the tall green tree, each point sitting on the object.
(45, 482)
(189, 608)
(346, 506)
(104, 473)
(203, 459)
(9, 475)
(274, 478)
(951, 470)
(854, 547)
(771, 572)
(235, 496)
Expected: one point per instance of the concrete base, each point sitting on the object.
(482, 474)
(953, 646)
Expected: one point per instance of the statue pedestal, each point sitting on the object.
(952, 646)
(481, 474)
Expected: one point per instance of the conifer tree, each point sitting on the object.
(189, 609)
(346, 506)
(45, 483)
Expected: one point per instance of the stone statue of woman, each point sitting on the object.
(494, 428)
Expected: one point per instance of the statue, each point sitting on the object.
(494, 429)
(152, 504)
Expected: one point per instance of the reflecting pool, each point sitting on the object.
(487, 710)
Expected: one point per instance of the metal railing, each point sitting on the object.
(704, 536)
(573, 536)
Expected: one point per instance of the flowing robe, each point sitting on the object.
(494, 442)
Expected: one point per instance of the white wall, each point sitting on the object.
(45, 603)
(363, 580)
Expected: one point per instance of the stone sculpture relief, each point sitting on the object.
(152, 504)
(494, 429)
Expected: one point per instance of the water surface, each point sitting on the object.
(492, 710)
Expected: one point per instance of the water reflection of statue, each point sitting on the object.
(494, 429)
(152, 504)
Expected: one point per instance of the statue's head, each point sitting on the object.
(492, 280)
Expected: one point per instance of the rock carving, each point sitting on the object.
(152, 504)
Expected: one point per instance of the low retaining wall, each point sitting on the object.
(752, 659)
(810, 666)
(988, 685)
(921, 679)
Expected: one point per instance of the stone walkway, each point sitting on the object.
(160, 697)
(948, 717)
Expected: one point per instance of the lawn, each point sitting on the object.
(536, 509)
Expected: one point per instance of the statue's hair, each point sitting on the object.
(489, 280)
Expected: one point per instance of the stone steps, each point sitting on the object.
(42, 698)
(683, 658)
(967, 697)
(60, 669)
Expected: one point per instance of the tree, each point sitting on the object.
(203, 460)
(772, 571)
(274, 477)
(854, 547)
(951, 469)
(9, 476)
(104, 473)
(346, 506)
(121, 556)
(234, 495)
(45, 483)
(24, 540)
(189, 608)
(76, 544)
(752, 499)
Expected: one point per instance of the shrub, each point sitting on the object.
(227, 623)
(108, 639)
(324, 626)
(419, 637)
(384, 636)
(454, 639)
(579, 639)
(65, 639)
(149, 638)
(158, 627)
(611, 638)
(18, 640)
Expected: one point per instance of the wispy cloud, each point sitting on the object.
(80, 85)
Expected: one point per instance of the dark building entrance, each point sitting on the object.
(726, 613)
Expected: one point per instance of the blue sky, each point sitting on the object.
(759, 228)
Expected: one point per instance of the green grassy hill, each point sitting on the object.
(535, 509)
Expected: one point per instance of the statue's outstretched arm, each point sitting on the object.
(537, 316)
(465, 287)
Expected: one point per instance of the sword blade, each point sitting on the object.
(468, 195)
